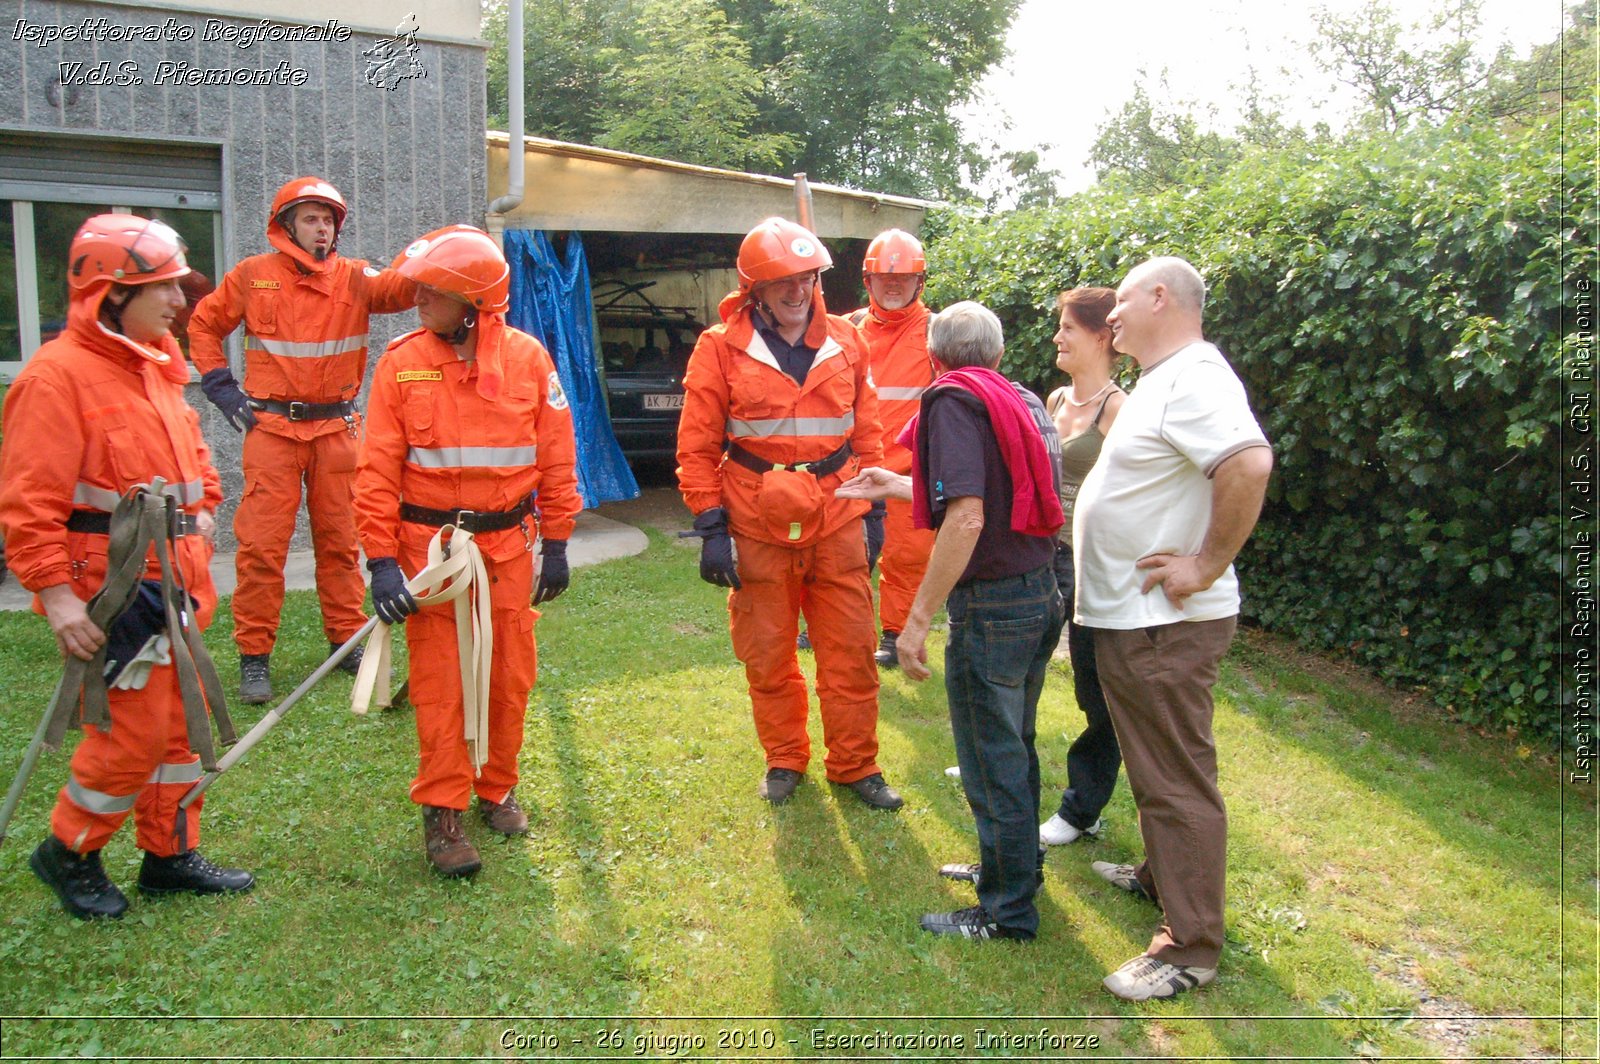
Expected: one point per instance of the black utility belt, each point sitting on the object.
(99, 523)
(820, 468)
(474, 521)
(295, 410)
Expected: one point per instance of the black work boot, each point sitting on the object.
(255, 683)
(190, 873)
(876, 793)
(79, 881)
(449, 850)
(888, 656)
(352, 660)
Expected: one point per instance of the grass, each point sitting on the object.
(1395, 883)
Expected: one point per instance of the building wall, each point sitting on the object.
(408, 158)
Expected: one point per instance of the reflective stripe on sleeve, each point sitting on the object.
(98, 801)
(306, 348)
(900, 393)
(471, 457)
(793, 426)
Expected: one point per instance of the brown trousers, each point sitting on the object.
(1158, 683)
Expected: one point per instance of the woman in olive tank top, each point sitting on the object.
(1083, 410)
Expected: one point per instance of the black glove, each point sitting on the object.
(716, 548)
(874, 525)
(226, 395)
(390, 599)
(145, 616)
(553, 573)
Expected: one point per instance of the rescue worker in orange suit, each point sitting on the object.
(95, 412)
(895, 325)
(466, 425)
(788, 387)
(305, 310)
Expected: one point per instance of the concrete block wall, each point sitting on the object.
(407, 159)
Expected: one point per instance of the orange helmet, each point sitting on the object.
(309, 190)
(894, 251)
(462, 261)
(779, 248)
(124, 249)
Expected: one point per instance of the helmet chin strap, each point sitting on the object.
(459, 335)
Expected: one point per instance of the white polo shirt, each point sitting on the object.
(1150, 491)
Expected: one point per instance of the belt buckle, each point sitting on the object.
(297, 410)
(467, 519)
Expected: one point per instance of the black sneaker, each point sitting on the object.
(969, 923)
(888, 657)
(255, 681)
(971, 873)
(352, 660)
(779, 784)
(876, 793)
(190, 873)
(80, 882)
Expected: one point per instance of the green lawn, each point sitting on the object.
(1395, 883)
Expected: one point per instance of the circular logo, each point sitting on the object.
(558, 398)
(803, 247)
(417, 247)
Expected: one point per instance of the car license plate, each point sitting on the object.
(663, 402)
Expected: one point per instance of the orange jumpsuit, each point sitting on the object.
(305, 341)
(897, 341)
(734, 389)
(435, 439)
(91, 415)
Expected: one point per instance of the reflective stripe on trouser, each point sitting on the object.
(274, 468)
(1158, 683)
(444, 772)
(904, 560)
(827, 581)
(143, 765)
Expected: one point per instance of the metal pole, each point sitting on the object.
(29, 758)
(266, 723)
(802, 203)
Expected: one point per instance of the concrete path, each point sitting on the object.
(596, 539)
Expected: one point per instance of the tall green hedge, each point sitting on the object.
(1393, 308)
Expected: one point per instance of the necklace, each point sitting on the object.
(1092, 398)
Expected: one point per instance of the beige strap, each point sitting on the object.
(455, 573)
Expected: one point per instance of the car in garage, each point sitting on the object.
(644, 349)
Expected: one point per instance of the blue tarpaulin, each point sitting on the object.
(550, 300)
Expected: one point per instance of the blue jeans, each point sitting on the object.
(1002, 633)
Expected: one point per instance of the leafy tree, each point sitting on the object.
(689, 91)
(569, 50)
(1426, 72)
(1151, 146)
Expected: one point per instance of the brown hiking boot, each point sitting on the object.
(448, 848)
(505, 817)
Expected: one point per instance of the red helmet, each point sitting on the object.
(124, 249)
(894, 251)
(462, 261)
(309, 190)
(779, 248)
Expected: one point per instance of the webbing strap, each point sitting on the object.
(143, 519)
(455, 573)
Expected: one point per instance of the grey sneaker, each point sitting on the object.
(1144, 978)
(255, 681)
(1121, 876)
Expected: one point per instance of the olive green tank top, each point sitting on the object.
(1078, 455)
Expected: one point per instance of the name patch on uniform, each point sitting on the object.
(419, 375)
(266, 284)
